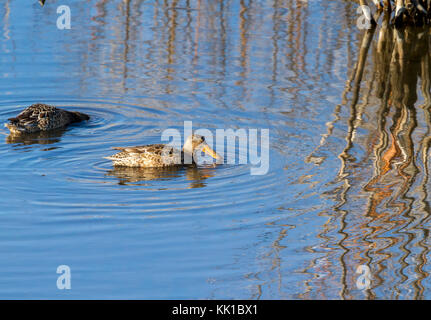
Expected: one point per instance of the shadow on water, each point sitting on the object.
(43, 137)
(136, 176)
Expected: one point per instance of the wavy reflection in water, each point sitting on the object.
(195, 175)
(42, 137)
(381, 219)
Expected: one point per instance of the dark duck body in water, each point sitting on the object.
(42, 117)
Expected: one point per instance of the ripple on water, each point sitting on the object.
(71, 162)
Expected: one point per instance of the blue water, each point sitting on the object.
(137, 68)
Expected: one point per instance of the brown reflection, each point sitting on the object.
(195, 175)
(43, 137)
(391, 235)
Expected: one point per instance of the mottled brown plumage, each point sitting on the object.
(160, 155)
(147, 156)
(42, 117)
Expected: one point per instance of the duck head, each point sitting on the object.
(78, 116)
(195, 143)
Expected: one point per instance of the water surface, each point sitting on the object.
(349, 120)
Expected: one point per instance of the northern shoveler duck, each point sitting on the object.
(42, 117)
(161, 155)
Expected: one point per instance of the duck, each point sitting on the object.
(42, 2)
(42, 117)
(162, 155)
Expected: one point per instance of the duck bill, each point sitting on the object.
(210, 152)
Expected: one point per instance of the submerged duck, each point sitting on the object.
(42, 117)
(162, 155)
